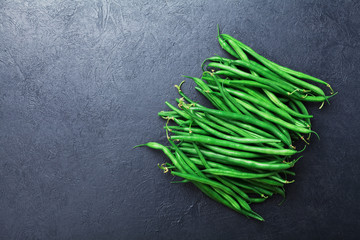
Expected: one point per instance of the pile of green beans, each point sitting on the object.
(240, 151)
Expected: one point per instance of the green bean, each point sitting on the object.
(269, 117)
(239, 108)
(268, 182)
(288, 172)
(284, 131)
(296, 89)
(281, 105)
(168, 114)
(294, 79)
(265, 73)
(184, 133)
(224, 94)
(213, 165)
(302, 75)
(215, 101)
(239, 198)
(178, 121)
(316, 98)
(231, 152)
(191, 168)
(212, 124)
(241, 83)
(246, 119)
(235, 139)
(188, 166)
(167, 152)
(211, 183)
(240, 150)
(203, 180)
(259, 102)
(242, 162)
(183, 123)
(279, 179)
(219, 196)
(243, 74)
(282, 68)
(280, 191)
(293, 106)
(236, 174)
(256, 200)
(263, 187)
(227, 100)
(207, 93)
(246, 129)
(187, 129)
(225, 73)
(224, 143)
(236, 127)
(301, 124)
(182, 94)
(228, 151)
(219, 59)
(303, 110)
(274, 68)
(246, 188)
(185, 144)
(228, 198)
(208, 164)
(268, 71)
(284, 100)
(241, 54)
(258, 95)
(242, 196)
(249, 186)
(254, 69)
(226, 47)
(181, 113)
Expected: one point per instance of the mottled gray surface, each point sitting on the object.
(81, 83)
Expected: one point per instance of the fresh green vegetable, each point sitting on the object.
(238, 153)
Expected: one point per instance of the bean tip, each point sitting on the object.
(141, 145)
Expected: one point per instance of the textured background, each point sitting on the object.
(81, 83)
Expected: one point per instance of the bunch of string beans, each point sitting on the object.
(240, 151)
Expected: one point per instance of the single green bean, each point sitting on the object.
(238, 146)
(187, 129)
(236, 174)
(228, 152)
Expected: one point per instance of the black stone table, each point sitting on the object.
(81, 83)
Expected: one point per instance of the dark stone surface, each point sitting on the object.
(81, 83)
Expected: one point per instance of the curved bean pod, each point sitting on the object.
(236, 174)
(224, 143)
